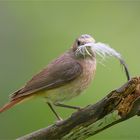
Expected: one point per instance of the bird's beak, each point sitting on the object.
(87, 51)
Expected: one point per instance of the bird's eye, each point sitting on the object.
(78, 43)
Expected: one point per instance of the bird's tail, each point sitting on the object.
(11, 104)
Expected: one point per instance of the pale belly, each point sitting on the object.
(72, 88)
(64, 93)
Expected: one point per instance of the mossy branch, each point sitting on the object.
(119, 105)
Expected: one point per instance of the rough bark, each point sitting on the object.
(119, 105)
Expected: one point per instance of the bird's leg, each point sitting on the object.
(67, 106)
(57, 116)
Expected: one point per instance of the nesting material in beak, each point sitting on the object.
(104, 50)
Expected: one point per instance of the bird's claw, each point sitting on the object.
(59, 121)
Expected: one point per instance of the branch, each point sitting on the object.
(117, 106)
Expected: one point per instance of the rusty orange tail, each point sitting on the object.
(11, 104)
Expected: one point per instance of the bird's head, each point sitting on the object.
(83, 46)
(86, 47)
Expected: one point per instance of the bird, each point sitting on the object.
(65, 77)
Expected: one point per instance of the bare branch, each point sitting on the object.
(117, 106)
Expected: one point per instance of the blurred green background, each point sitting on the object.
(34, 33)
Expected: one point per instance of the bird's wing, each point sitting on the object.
(59, 72)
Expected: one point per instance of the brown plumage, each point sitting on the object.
(63, 79)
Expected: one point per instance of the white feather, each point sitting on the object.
(103, 50)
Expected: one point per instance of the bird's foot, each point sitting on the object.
(59, 121)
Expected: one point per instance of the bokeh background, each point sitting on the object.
(34, 33)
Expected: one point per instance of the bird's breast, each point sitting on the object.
(74, 87)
